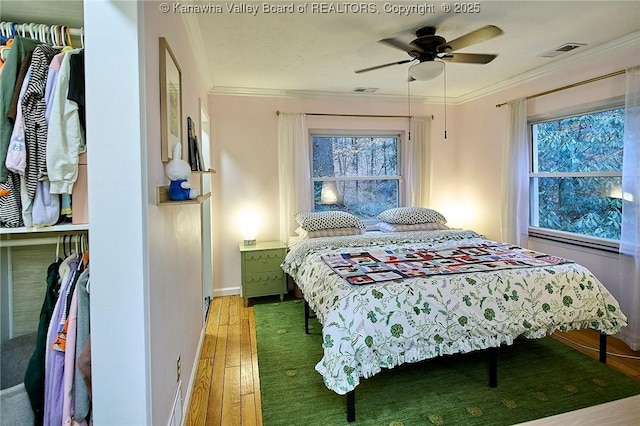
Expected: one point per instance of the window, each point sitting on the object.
(576, 175)
(356, 174)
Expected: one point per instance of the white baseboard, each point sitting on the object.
(192, 379)
(228, 291)
(177, 411)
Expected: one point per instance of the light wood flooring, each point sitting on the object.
(226, 391)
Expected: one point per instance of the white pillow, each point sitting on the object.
(394, 227)
(332, 232)
(314, 221)
(411, 216)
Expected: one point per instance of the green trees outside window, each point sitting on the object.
(363, 169)
(576, 174)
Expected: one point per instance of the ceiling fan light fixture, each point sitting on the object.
(427, 70)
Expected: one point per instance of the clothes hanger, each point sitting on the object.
(58, 248)
(68, 35)
(53, 33)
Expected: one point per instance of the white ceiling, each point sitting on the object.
(317, 53)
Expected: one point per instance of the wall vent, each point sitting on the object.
(567, 47)
(364, 89)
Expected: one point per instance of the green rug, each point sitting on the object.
(536, 378)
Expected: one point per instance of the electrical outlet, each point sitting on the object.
(178, 369)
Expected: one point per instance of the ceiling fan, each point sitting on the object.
(432, 51)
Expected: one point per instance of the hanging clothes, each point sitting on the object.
(35, 372)
(35, 124)
(21, 46)
(76, 85)
(24, 67)
(10, 204)
(17, 152)
(66, 138)
(81, 392)
(54, 360)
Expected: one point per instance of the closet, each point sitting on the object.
(145, 259)
(27, 251)
(49, 214)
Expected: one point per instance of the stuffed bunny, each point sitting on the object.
(178, 172)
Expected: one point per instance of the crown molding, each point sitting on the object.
(276, 93)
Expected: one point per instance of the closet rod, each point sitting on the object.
(34, 241)
(569, 86)
(357, 115)
(24, 28)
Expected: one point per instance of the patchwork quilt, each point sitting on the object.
(386, 265)
(470, 294)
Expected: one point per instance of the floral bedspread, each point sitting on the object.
(382, 325)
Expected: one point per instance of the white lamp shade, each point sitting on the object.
(329, 193)
(427, 70)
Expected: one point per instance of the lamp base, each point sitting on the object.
(249, 243)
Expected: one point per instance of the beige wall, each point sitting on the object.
(175, 285)
(244, 145)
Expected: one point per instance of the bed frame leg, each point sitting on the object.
(351, 406)
(493, 367)
(306, 317)
(603, 348)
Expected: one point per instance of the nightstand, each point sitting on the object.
(261, 272)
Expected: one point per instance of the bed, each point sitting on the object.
(453, 292)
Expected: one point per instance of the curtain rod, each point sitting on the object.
(357, 115)
(569, 86)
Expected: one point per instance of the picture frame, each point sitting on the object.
(170, 100)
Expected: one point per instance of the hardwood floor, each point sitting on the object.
(227, 386)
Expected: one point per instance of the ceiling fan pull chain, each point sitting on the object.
(445, 102)
(409, 101)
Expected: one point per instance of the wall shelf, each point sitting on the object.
(163, 198)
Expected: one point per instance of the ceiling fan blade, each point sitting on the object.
(481, 34)
(468, 58)
(399, 44)
(383, 66)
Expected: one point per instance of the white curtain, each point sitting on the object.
(515, 175)
(294, 172)
(630, 239)
(417, 161)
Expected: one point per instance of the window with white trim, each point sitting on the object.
(359, 174)
(576, 176)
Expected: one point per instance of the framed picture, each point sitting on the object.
(170, 100)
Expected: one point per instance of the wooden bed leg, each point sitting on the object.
(603, 348)
(351, 406)
(493, 367)
(306, 317)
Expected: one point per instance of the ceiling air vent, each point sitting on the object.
(567, 47)
(364, 89)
